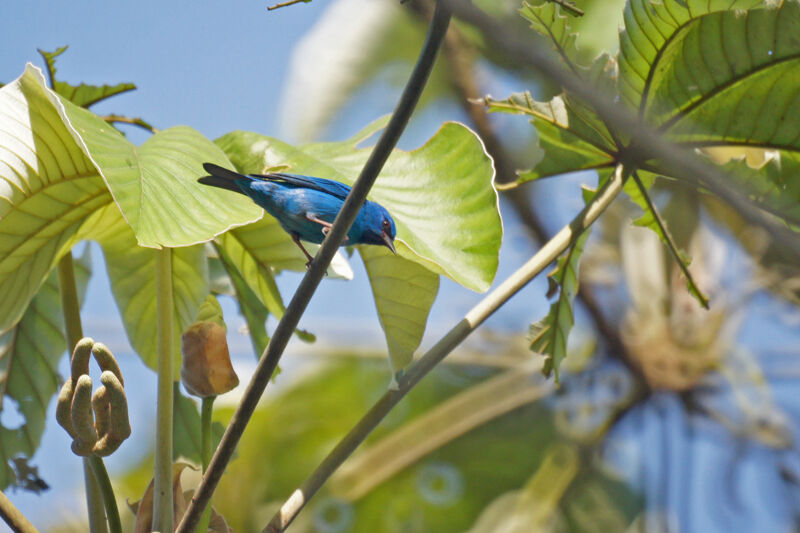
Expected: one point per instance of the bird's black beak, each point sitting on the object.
(388, 242)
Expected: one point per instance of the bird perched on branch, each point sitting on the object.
(305, 206)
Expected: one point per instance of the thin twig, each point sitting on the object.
(474, 318)
(283, 332)
(647, 144)
(289, 3)
(14, 517)
(133, 121)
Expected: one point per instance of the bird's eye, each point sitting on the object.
(386, 225)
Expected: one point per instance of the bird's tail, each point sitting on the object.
(222, 178)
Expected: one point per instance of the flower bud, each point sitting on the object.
(206, 369)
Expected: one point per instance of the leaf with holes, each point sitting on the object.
(572, 137)
(549, 335)
(47, 189)
(29, 355)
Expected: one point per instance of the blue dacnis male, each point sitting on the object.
(306, 207)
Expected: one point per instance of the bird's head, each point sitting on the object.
(379, 228)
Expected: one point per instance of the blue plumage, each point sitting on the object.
(306, 206)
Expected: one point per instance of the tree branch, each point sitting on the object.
(474, 318)
(319, 265)
(13, 517)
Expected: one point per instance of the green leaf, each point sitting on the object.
(549, 335)
(404, 292)
(47, 188)
(441, 195)
(29, 355)
(547, 20)
(571, 137)
(155, 185)
(251, 308)
(131, 272)
(655, 31)
(82, 95)
(743, 83)
(186, 431)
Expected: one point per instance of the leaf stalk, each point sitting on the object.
(162, 476)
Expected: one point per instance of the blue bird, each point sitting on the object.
(305, 206)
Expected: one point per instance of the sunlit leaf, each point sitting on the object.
(29, 378)
(404, 292)
(155, 184)
(47, 188)
(440, 195)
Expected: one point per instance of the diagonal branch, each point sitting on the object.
(474, 318)
(307, 287)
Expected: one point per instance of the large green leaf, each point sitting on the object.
(131, 270)
(29, 355)
(440, 196)
(654, 31)
(155, 185)
(729, 77)
(404, 292)
(47, 188)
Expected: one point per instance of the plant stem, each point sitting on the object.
(283, 332)
(474, 318)
(162, 476)
(670, 242)
(71, 309)
(206, 410)
(14, 518)
(104, 482)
